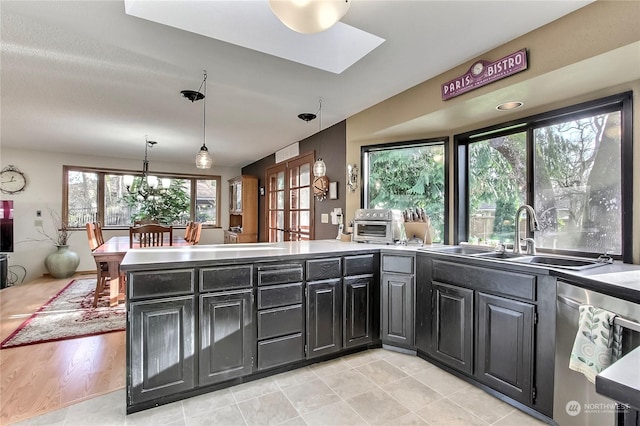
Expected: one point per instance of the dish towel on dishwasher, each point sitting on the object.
(598, 342)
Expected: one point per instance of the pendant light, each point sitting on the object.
(309, 16)
(320, 180)
(203, 157)
(319, 167)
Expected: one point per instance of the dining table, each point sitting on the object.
(112, 252)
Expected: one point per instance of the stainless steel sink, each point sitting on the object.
(559, 262)
(551, 261)
(499, 255)
(457, 249)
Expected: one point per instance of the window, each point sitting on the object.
(497, 186)
(408, 175)
(573, 166)
(103, 195)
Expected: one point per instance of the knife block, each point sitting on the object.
(420, 230)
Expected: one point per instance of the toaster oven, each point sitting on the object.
(383, 226)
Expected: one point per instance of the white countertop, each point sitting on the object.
(217, 252)
(622, 278)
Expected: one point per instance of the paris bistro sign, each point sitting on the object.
(482, 73)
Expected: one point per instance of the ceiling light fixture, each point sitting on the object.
(146, 186)
(309, 16)
(203, 157)
(320, 180)
(507, 106)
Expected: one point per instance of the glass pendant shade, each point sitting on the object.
(309, 16)
(166, 182)
(203, 158)
(152, 181)
(127, 180)
(319, 168)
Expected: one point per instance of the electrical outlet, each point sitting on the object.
(37, 223)
(324, 218)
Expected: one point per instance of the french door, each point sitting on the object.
(290, 200)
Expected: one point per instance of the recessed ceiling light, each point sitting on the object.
(506, 106)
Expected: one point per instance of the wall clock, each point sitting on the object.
(12, 180)
(320, 187)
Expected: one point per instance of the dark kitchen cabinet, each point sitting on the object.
(483, 322)
(324, 315)
(397, 302)
(357, 315)
(504, 355)
(161, 346)
(226, 336)
(193, 330)
(280, 314)
(452, 326)
(397, 306)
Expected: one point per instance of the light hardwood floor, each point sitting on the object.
(40, 378)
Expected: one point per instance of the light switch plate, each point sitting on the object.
(324, 218)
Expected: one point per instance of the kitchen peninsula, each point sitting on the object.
(206, 317)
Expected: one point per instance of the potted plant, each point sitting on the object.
(63, 262)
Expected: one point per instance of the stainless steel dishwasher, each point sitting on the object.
(575, 399)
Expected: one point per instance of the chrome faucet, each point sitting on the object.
(533, 225)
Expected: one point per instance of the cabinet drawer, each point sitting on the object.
(161, 283)
(323, 269)
(279, 321)
(280, 274)
(359, 265)
(490, 280)
(279, 295)
(400, 264)
(226, 278)
(283, 350)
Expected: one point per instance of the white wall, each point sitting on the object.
(44, 191)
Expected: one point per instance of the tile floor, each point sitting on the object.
(375, 387)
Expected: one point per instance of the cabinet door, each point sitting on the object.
(161, 348)
(357, 315)
(397, 309)
(226, 337)
(452, 326)
(324, 325)
(504, 358)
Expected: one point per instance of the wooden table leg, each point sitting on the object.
(114, 283)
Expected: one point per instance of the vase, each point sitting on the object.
(62, 263)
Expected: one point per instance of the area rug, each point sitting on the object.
(68, 315)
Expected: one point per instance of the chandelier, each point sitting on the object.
(203, 157)
(146, 186)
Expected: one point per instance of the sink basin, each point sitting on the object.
(560, 262)
(499, 255)
(457, 249)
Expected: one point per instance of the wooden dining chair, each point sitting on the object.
(187, 231)
(102, 268)
(98, 231)
(91, 235)
(151, 235)
(144, 222)
(196, 230)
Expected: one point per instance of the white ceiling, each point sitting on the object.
(84, 77)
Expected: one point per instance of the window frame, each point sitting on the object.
(622, 102)
(102, 172)
(364, 161)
